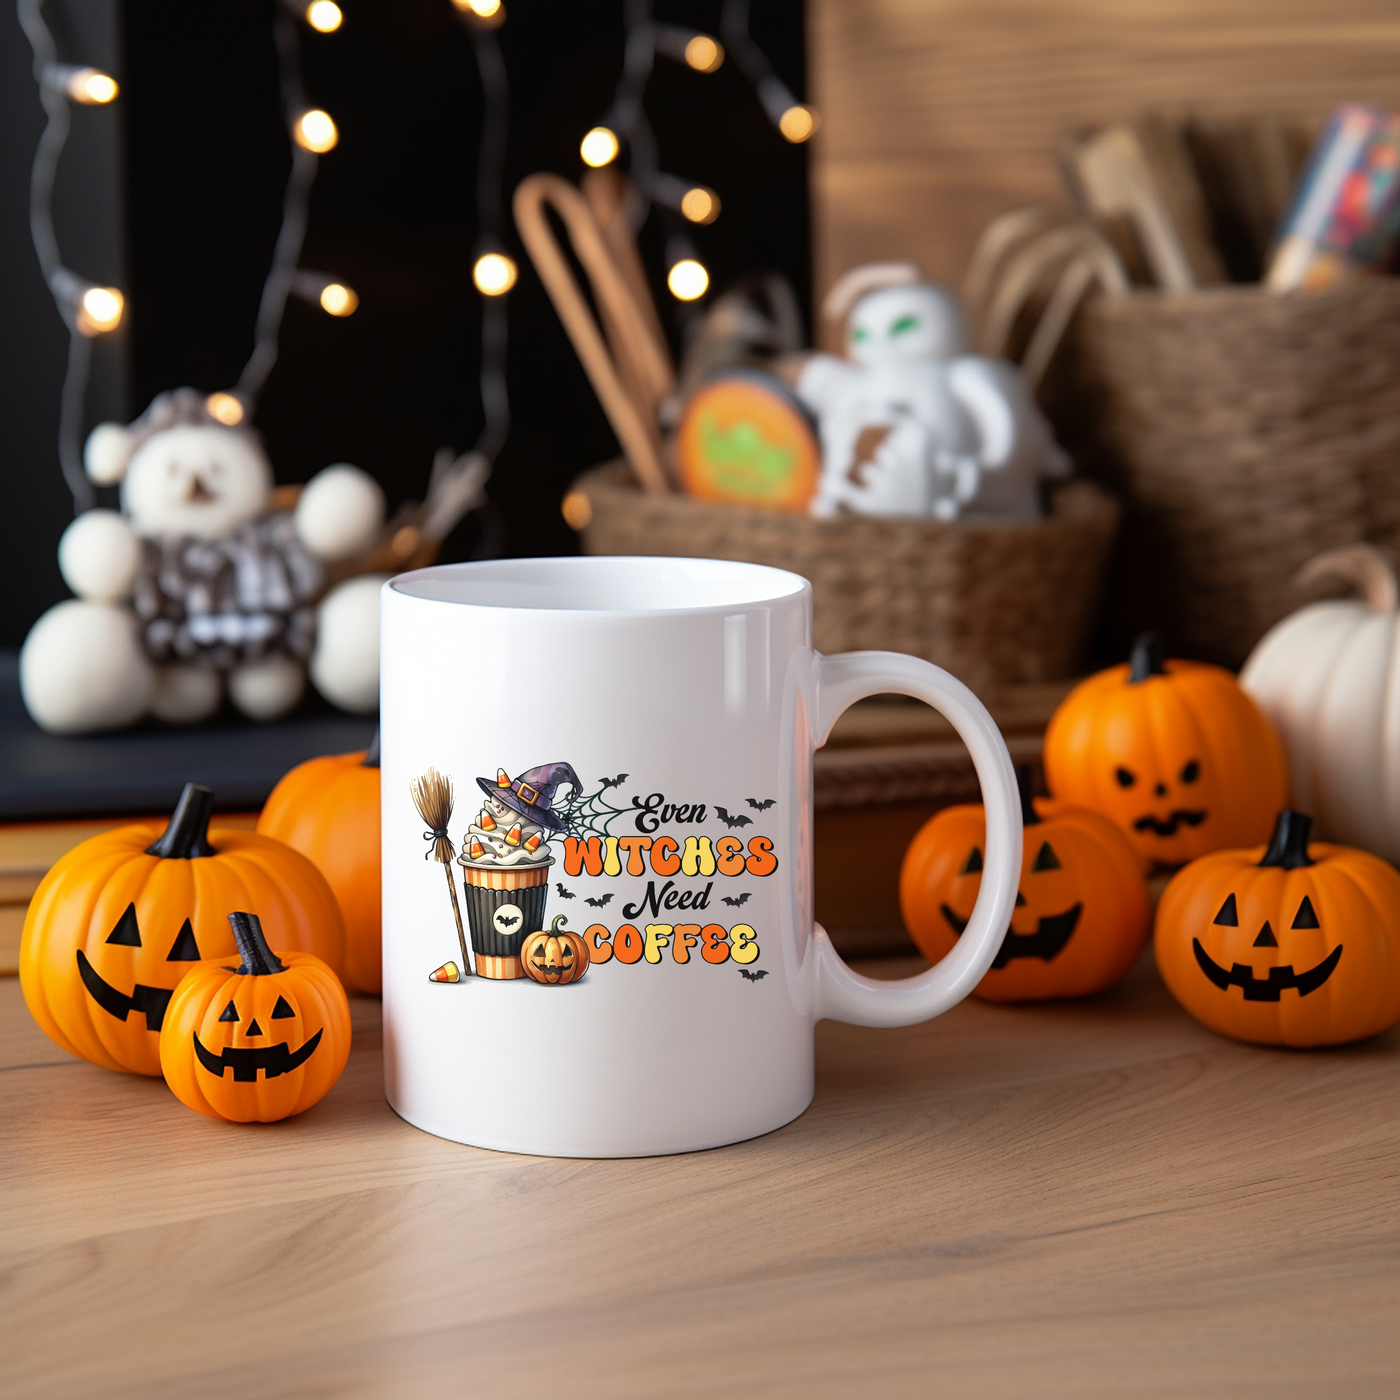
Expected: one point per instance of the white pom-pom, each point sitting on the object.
(187, 694)
(269, 688)
(345, 664)
(82, 668)
(98, 556)
(107, 452)
(339, 512)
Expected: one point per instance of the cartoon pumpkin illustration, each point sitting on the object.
(1295, 944)
(1174, 751)
(1081, 914)
(258, 1041)
(556, 955)
(118, 921)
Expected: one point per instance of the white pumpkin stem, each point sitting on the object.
(1362, 565)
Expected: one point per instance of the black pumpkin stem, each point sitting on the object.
(187, 836)
(1024, 784)
(371, 759)
(1289, 847)
(1146, 658)
(258, 959)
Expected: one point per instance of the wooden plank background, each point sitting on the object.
(940, 114)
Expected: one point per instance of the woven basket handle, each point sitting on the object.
(843, 995)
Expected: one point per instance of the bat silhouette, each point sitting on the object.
(563, 893)
(737, 901)
(760, 806)
(507, 920)
(753, 976)
(598, 903)
(612, 782)
(733, 821)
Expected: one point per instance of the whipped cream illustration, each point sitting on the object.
(500, 836)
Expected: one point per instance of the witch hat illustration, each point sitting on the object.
(532, 793)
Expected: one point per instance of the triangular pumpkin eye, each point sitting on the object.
(126, 932)
(184, 949)
(1045, 859)
(1306, 917)
(1125, 777)
(282, 1009)
(1228, 915)
(1266, 937)
(229, 1013)
(974, 862)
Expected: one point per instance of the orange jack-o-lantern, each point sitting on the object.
(256, 1041)
(328, 809)
(1293, 945)
(1174, 751)
(1081, 915)
(117, 922)
(554, 955)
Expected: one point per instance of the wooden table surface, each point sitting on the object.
(1092, 1199)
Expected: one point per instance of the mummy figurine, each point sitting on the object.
(198, 586)
(911, 422)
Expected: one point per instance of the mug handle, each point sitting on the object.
(844, 995)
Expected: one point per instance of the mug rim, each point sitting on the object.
(783, 585)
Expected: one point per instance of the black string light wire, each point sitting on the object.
(626, 124)
(87, 309)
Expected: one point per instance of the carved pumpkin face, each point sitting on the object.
(1294, 945)
(1081, 913)
(121, 918)
(554, 956)
(1174, 751)
(257, 1041)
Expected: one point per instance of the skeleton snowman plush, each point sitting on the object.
(911, 422)
(198, 585)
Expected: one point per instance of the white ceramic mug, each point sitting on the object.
(663, 713)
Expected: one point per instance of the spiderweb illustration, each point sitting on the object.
(591, 813)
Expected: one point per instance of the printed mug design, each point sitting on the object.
(525, 827)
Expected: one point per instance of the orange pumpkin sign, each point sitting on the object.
(119, 920)
(1295, 944)
(1174, 751)
(258, 1041)
(1081, 914)
(745, 438)
(328, 809)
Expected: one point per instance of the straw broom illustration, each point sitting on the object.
(432, 795)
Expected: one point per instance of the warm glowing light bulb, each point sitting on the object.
(91, 86)
(324, 16)
(226, 408)
(798, 123)
(338, 299)
(100, 309)
(599, 147)
(699, 205)
(482, 9)
(316, 131)
(704, 54)
(494, 274)
(687, 280)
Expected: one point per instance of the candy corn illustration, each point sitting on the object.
(513, 835)
(502, 778)
(486, 821)
(446, 973)
(533, 844)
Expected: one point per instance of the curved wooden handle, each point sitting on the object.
(637, 436)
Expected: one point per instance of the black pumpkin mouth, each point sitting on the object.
(1270, 988)
(147, 1001)
(552, 970)
(273, 1060)
(1051, 934)
(1167, 826)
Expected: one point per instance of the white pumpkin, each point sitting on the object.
(1329, 678)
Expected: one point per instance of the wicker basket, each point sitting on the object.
(1246, 433)
(996, 603)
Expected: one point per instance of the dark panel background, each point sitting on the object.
(202, 160)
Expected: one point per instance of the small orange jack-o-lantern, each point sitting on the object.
(1081, 915)
(259, 1041)
(116, 924)
(554, 955)
(1174, 751)
(1293, 945)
